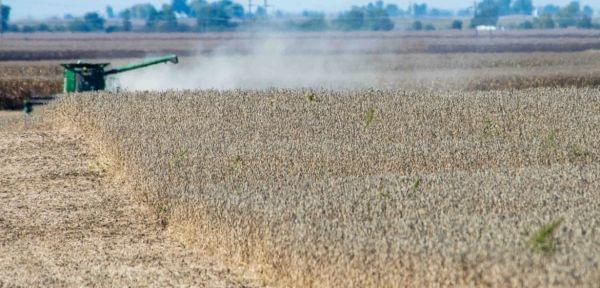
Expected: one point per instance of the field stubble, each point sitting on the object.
(366, 187)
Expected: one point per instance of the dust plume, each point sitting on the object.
(270, 62)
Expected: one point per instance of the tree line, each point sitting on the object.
(226, 15)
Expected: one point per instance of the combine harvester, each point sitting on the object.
(82, 77)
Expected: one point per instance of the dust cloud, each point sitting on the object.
(271, 62)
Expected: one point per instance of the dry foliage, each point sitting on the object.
(366, 187)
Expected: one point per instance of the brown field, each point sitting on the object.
(318, 160)
(454, 71)
(69, 46)
(367, 187)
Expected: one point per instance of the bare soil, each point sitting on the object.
(65, 222)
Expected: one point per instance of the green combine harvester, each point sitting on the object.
(82, 77)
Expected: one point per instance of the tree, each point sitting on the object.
(457, 25)
(143, 11)
(429, 27)
(419, 9)
(588, 11)
(216, 16)
(416, 26)
(168, 20)
(435, 12)
(126, 16)
(568, 15)
(180, 6)
(377, 18)
(504, 6)
(550, 9)
(372, 17)
(313, 21)
(524, 7)
(393, 10)
(43, 27)
(526, 25)
(28, 29)
(93, 21)
(152, 20)
(585, 23)
(5, 10)
(544, 22)
(260, 12)
(486, 13)
(78, 25)
(351, 20)
(110, 13)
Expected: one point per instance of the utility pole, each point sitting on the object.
(250, 7)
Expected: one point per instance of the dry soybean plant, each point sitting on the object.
(366, 188)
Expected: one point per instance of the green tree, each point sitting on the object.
(78, 25)
(568, 15)
(110, 12)
(126, 16)
(503, 6)
(168, 20)
(419, 10)
(143, 11)
(351, 20)
(588, 11)
(313, 21)
(524, 7)
(152, 20)
(429, 27)
(416, 26)
(585, 23)
(216, 16)
(93, 21)
(373, 16)
(457, 25)
(544, 22)
(393, 10)
(43, 27)
(180, 6)
(5, 10)
(486, 13)
(550, 9)
(526, 25)
(377, 17)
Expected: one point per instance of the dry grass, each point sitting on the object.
(366, 187)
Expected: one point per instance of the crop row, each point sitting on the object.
(366, 187)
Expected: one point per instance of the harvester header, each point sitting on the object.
(81, 77)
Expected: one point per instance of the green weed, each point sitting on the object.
(542, 240)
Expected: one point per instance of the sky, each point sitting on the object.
(46, 8)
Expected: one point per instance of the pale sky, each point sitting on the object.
(46, 8)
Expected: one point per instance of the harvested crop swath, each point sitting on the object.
(367, 187)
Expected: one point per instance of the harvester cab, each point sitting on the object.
(81, 77)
